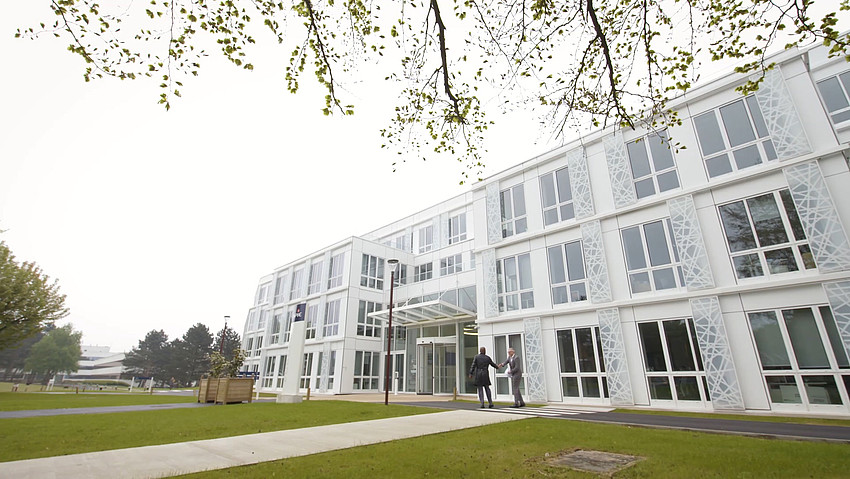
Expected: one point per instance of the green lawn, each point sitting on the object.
(745, 417)
(23, 401)
(27, 438)
(517, 450)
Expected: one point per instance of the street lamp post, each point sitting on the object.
(221, 342)
(393, 263)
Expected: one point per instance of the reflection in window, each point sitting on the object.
(566, 273)
(652, 257)
(734, 137)
(514, 283)
(792, 340)
(557, 197)
(581, 363)
(834, 92)
(672, 360)
(513, 211)
(652, 166)
(765, 235)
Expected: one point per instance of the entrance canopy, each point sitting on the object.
(433, 310)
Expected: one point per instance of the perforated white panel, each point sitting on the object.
(780, 116)
(820, 220)
(491, 294)
(580, 183)
(325, 367)
(618, 169)
(838, 294)
(494, 214)
(535, 377)
(614, 353)
(688, 235)
(720, 371)
(594, 258)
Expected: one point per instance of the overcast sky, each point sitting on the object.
(160, 220)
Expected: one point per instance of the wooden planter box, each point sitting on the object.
(208, 390)
(231, 390)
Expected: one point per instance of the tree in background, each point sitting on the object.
(13, 359)
(29, 302)
(58, 351)
(190, 355)
(580, 61)
(227, 342)
(151, 357)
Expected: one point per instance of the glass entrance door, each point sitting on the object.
(436, 365)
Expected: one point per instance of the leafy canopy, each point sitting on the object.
(58, 351)
(29, 302)
(579, 62)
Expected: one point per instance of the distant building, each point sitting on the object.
(98, 362)
(710, 276)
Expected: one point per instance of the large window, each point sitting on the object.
(276, 323)
(652, 258)
(310, 321)
(331, 318)
(500, 354)
(451, 265)
(366, 325)
(457, 228)
(279, 292)
(802, 356)
(422, 272)
(652, 165)
(366, 370)
(734, 137)
(426, 238)
(331, 367)
(314, 283)
(513, 211)
(287, 325)
(264, 315)
(281, 368)
(335, 270)
(566, 273)
(307, 372)
(582, 364)
(268, 371)
(372, 272)
(514, 283)
(765, 235)
(672, 360)
(557, 196)
(295, 287)
(263, 294)
(835, 92)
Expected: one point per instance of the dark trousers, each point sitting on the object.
(481, 391)
(515, 381)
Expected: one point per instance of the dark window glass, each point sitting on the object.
(590, 387)
(556, 266)
(653, 352)
(737, 123)
(575, 262)
(678, 345)
(656, 242)
(758, 120)
(565, 193)
(586, 354)
(736, 223)
(599, 350)
(638, 159)
(834, 337)
(719, 165)
(821, 390)
(659, 388)
(687, 388)
(768, 224)
(566, 352)
(805, 338)
(793, 218)
(708, 131)
(570, 386)
(694, 341)
(783, 389)
(634, 248)
(662, 156)
(769, 342)
(833, 96)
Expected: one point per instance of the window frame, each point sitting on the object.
(649, 269)
(559, 209)
(314, 281)
(426, 238)
(569, 286)
(457, 228)
(763, 142)
(669, 373)
(652, 163)
(523, 295)
(367, 326)
(451, 264)
(782, 201)
(582, 378)
(842, 112)
(423, 272)
(514, 218)
(372, 276)
(336, 270)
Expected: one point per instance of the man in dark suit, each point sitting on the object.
(515, 374)
(480, 374)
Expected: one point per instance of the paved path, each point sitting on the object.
(195, 456)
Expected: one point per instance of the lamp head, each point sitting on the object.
(392, 264)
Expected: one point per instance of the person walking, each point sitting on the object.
(515, 374)
(480, 374)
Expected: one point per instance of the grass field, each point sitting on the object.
(24, 401)
(518, 450)
(27, 438)
(746, 417)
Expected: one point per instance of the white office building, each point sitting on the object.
(712, 276)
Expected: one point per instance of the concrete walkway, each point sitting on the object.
(196, 456)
